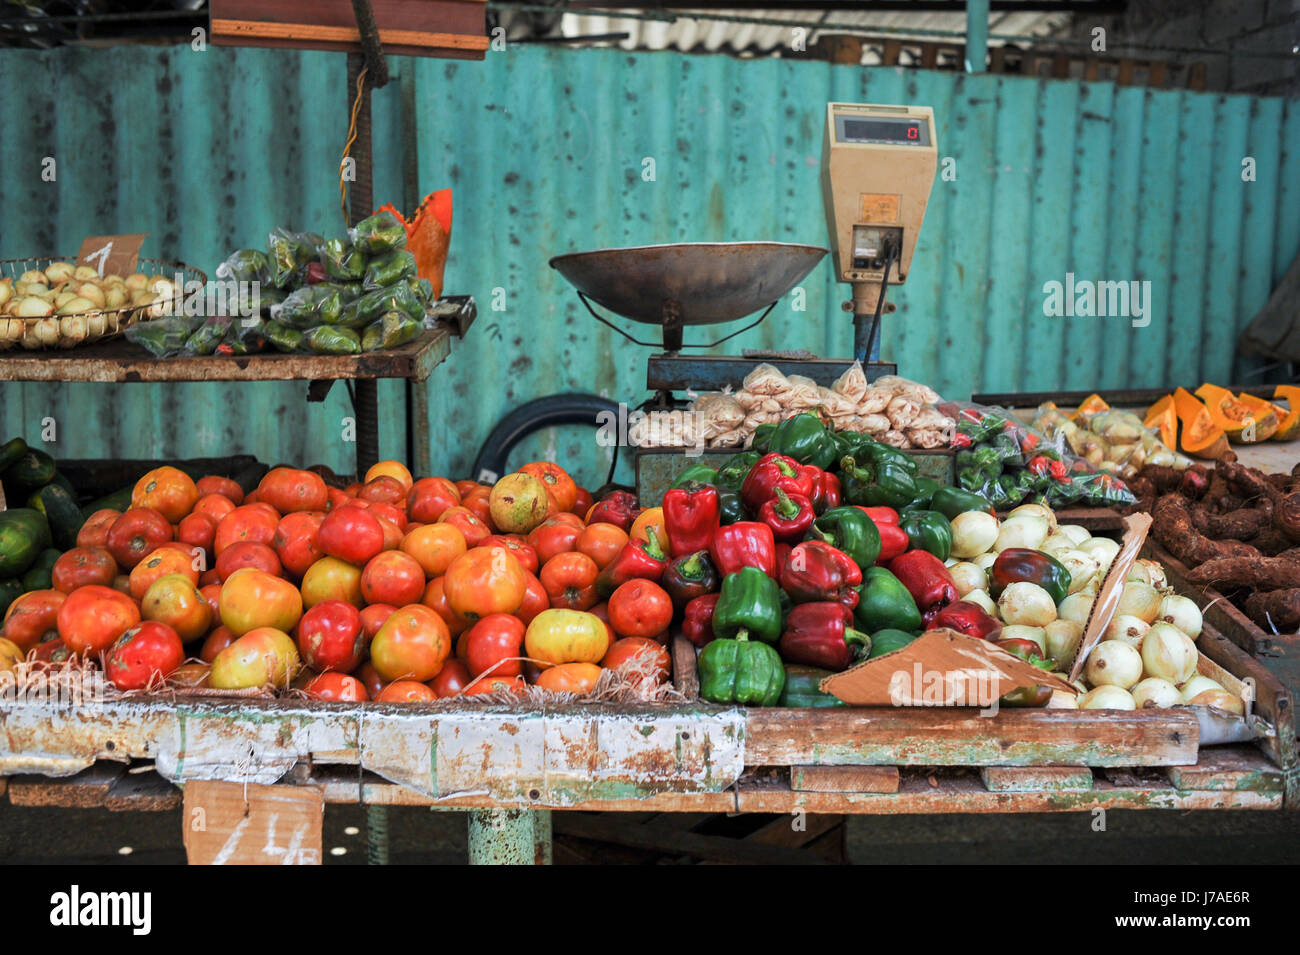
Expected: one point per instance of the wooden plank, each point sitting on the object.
(844, 779)
(686, 678)
(967, 794)
(142, 792)
(326, 37)
(961, 737)
(783, 831)
(604, 828)
(119, 361)
(1157, 74)
(1029, 779)
(252, 824)
(1229, 767)
(86, 790)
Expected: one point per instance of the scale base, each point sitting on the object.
(676, 372)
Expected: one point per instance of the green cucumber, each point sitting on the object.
(802, 688)
(38, 575)
(24, 533)
(62, 513)
(33, 469)
(64, 483)
(10, 452)
(118, 501)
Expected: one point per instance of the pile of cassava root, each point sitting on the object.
(1237, 529)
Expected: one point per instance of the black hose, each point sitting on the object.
(533, 416)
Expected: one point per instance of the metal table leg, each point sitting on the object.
(505, 837)
(377, 835)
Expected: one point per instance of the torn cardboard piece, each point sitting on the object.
(1104, 606)
(939, 668)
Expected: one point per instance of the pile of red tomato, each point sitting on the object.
(396, 590)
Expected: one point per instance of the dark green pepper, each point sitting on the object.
(804, 438)
(877, 452)
(700, 473)
(887, 641)
(1023, 564)
(740, 671)
(749, 604)
(733, 472)
(885, 604)
(282, 337)
(730, 507)
(850, 530)
(951, 501)
(925, 488)
(928, 531)
(762, 438)
(803, 688)
(327, 340)
(874, 484)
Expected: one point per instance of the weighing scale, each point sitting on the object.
(878, 165)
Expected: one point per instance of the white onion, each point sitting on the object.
(1057, 544)
(985, 561)
(1154, 691)
(1082, 568)
(1196, 685)
(1127, 629)
(1076, 607)
(1028, 530)
(1102, 550)
(1062, 637)
(1114, 664)
(1035, 510)
(1026, 603)
(1138, 573)
(1062, 700)
(973, 533)
(968, 577)
(1139, 600)
(1018, 631)
(1106, 698)
(1220, 699)
(1076, 532)
(1155, 573)
(1169, 653)
(982, 598)
(1182, 612)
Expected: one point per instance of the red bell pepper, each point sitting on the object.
(690, 517)
(969, 618)
(927, 580)
(638, 559)
(880, 514)
(697, 619)
(619, 508)
(822, 635)
(815, 571)
(789, 516)
(773, 471)
(893, 539)
(743, 544)
(826, 493)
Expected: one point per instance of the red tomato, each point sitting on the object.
(490, 684)
(383, 490)
(289, 490)
(212, 594)
(197, 531)
(212, 484)
(372, 618)
(247, 554)
(388, 512)
(33, 617)
(338, 498)
(217, 641)
(392, 469)
(174, 600)
(453, 678)
(601, 611)
(91, 618)
(330, 637)
(478, 502)
(94, 533)
(352, 534)
(429, 498)
(518, 546)
(641, 654)
(602, 542)
(412, 644)
(435, 598)
(640, 608)
(496, 638)
(582, 503)
(137, 534)
(214, 507)
(570, 581)
(370, 679)
(392, 577)
(484, 580)
(296, 541)
(558, 483)
(252, 599)
(146, 653)
(337, 688)
(536, 599)
(468, 523)
(406, 691)
(554, 536)
(248, 522)
(81, 566)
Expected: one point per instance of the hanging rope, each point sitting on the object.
(347, 149)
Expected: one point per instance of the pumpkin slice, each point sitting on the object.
(1094, 404)
(1164, 418)
(1289, 421)
(1238, 420)
(1266, 419)
(1201, 437)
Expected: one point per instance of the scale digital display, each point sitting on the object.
(901, 131)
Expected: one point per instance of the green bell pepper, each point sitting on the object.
(928, 531)
(887, 641)
(732, 474)
(700, 473)
(885, 604)
(730, 508)
(850, 530)
(877, 452)
(740, 671)
(874, 484)
(804, 438)
(749, 604)
(803, 687)
(762, 438)
(951, 501)
(925, 488)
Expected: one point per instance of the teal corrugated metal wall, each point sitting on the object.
(547, 152)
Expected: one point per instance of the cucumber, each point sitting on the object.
(117, 501)
(802, 688)
(10, 452)
(887, 641)
(33, 469)
(38, 575)
(24, 533)
(10, 590)
(61, 512)
(64, 483)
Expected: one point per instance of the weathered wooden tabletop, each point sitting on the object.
(119, 360)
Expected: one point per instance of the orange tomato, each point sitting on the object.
(485, 580)
(337, 687)
(212, 594)
(384, 490)
(435, 598)
(468, 523)
(558, 483)
(212, 484)
(602, 542)
(518, 546)
(434, 547)
(391, 469)
(248, 522)
(392, 577)
(640, 608)
(490, 684)
(32, 616)
(168, 490)
(570, 581)
(412, 644)
(246, 554)
(91, 618)
(290, 489)
(174, 600)
(566, 636)
(553, 536)
(642, 653)
(579, 678)
(214, 506)
(406, 691)
(252, 599)
(94, 533)
(651, 517)
(164, 561)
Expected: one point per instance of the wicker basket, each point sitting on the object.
(80, 328)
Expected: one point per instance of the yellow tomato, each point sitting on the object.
(648, 521)
(566, 636)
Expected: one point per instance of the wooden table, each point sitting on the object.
(118, 361)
